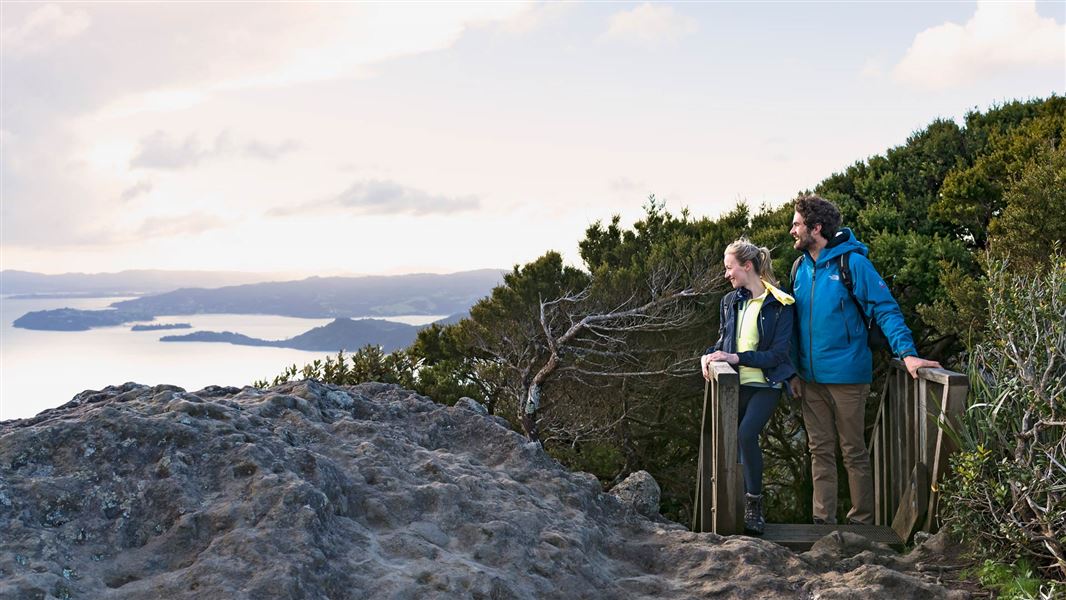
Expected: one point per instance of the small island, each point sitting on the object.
(72, 319)
(161, 326)
(341, 334)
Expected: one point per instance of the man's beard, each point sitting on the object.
(804, 242)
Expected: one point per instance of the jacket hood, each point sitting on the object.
(844, 241)
(783, 297)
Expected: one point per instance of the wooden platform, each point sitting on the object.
(801, 536)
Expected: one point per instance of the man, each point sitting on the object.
(834, 363)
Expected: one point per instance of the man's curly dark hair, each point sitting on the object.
(816, 210)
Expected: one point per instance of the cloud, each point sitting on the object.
(380, 197)
(1000, 36)
(872, 68)
(180, 225)
(138, 189)
(159, 150)
(84, 83)
(258, 149)
(649, 25)
(625, 186)
(44, 27)
(535, 16)
(151, 228)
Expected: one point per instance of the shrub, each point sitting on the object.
(369, 363)
(1007, 493)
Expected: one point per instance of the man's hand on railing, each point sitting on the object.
(913, 363)
(705, 366)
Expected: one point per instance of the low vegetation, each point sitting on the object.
(1008, 492)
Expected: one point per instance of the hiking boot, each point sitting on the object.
(819, 521)
(754, 523)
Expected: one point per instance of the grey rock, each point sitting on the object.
(290, 492)
(340, 398)
(640, 491)
(472, 405)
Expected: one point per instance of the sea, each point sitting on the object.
(45, 369)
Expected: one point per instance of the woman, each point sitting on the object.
(755, 332)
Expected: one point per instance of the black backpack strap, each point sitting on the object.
(844, 262)
(792, 277)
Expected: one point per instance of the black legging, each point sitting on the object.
(756, 406)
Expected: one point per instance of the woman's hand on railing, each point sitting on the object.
(719, 356)
(913, 363)
(725, 357)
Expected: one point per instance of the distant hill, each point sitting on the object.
(122, 283)
(325, 297)
(314, 297)
(341, 334)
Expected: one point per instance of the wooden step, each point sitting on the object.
(801, 536)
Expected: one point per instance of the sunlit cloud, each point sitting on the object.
(181, 225)
(624, 186)
(380, 197)
(346, 44)
(44, 27)
(1000, 36)
(263, 150)
(160, 150)
(151, 228)
(535, 16)
(138, 189)
(649, 25)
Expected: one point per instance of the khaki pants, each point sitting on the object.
(833, 412)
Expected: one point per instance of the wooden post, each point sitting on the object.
(728, 495)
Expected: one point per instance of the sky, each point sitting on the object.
(385, 138)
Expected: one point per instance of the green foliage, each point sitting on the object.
(367, 364)
(1017, 581)
(1033, 221)
(1007, 492)
(926, 209)
(1000, 145)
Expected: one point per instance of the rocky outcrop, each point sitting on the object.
(640, 491)
(314, 491)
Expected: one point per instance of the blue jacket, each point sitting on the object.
(773, 355)
(830, 333)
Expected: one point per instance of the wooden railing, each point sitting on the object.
(909, 447)
(719, 481)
